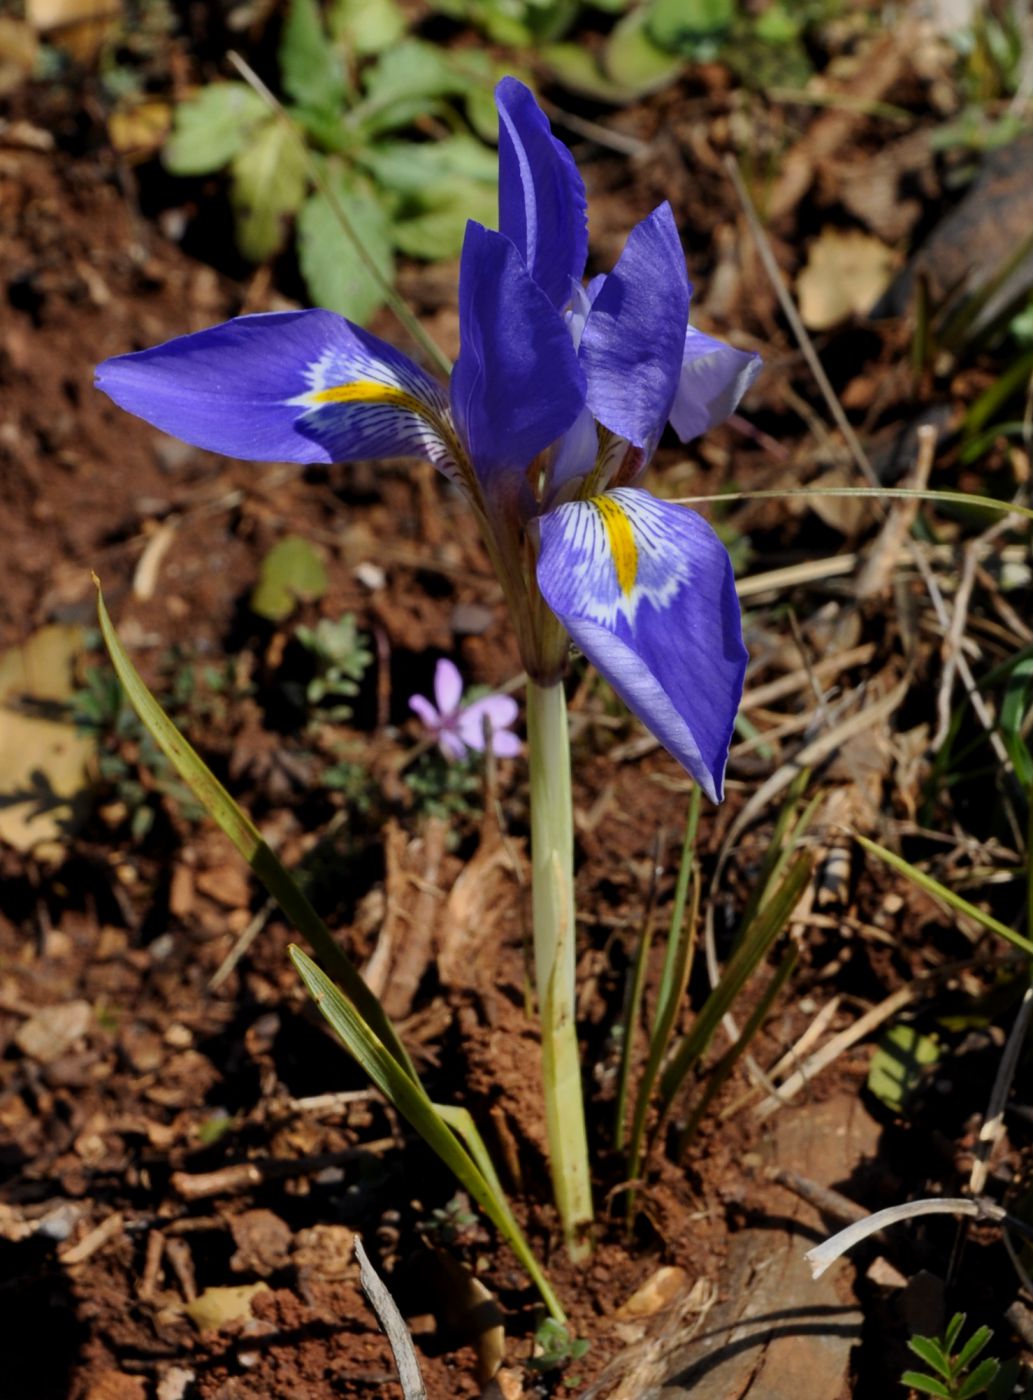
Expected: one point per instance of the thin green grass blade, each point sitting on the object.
(460, 1120)
(682, 938)
(779, 849)
(719, 1075)
(938, 891)
(247, 839)
(768, 924)
(1014, 708)
(881, 493)
(632, 1012)
(675, 971)
(410, 1099)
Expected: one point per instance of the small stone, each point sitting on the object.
(51, 1032)
(181, 891)
(263, 1241)
(326, 1250)
(659, 1291)
(116, 1385)
(175, 1383)
(180, 1037)
(885, 1274)
(471, 619)
(371, 576)
(226, 884)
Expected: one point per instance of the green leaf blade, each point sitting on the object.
(269, 180)
(333, 270)
(210, 129)
(928, 1385)
(310, 68)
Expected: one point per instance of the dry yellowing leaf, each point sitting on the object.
(846, 273)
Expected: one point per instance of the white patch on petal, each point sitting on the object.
(623, 554)
(382, 408)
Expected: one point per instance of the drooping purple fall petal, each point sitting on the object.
(646, 590)
(287, 386)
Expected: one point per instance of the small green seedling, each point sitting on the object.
(555, 1349)
(954, 1375)
(341, 658)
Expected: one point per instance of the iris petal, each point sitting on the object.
(542, 204)
(517, 385)
(287, 386)
(633, 342)
(714, 377)
(646, 590)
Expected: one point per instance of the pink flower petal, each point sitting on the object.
(448, 687)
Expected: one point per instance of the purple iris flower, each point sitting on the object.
(459, 728)
(555, 405)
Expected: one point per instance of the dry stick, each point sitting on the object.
(832, 1050)
(851, 439)
(992, 1129)
(882, 559)
(951, 649)
(393, 1323)
(407, 319)
(792, 1059)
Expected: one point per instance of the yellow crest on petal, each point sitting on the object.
(367, 391)
(621, 539)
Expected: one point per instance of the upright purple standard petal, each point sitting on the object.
(634, 339)
(542, 205)
(645, 588)
(287, 386)
(714, 377)
(517, 385)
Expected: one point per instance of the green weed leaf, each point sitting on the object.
(931, 1352)
(972, 1348)
(210, 129)
(576, 68)
(898, 1064)
(333, 271)
(269, 180)
(634, 61)
(691, 27)
(406, 82)
(367, 27)
(928, 1385)
(293, 571)
(310, 67)
(981, 1378)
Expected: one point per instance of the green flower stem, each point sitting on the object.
(552, 873)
